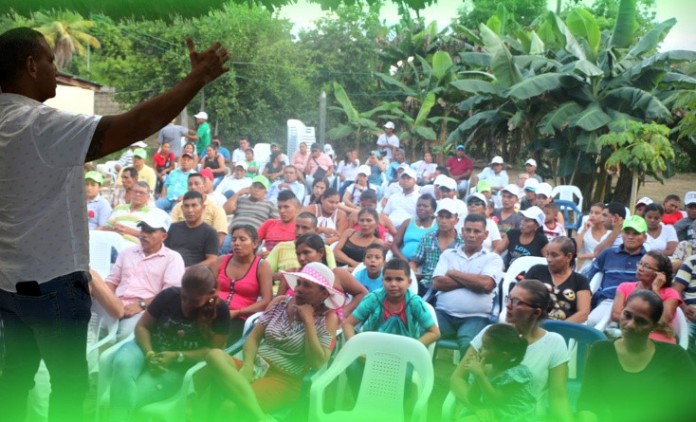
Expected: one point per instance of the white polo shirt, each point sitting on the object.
(43, 219)
(462, 302)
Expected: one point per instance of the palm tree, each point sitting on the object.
(67, 33)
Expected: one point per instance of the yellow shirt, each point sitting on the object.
(213, 215)
(145, 174)
(284, 258)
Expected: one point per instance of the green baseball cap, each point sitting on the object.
(262, 180)
(636, 223)
(95, 176)
(483, 186)
(141, 153)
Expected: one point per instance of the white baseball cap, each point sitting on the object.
(438, 180)
(645, 201)
(544, 189)
(389, 125)
(690, 198)
(156, 220)
(534, 213)
(242, 164)
(365, 169)
(478, 196)
(408, 171)
(511, 188)
(447, 204)
(139, 144)
(497, 160)
(530, 162)
(531, 184)
(448, 182)
(201, 115)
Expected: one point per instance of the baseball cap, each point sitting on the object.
(262, 180)
(139, 144)
(647, 201)
(187, 154)
(438, 180)
(155, 221)
(497, 160)
(690, 198)
(446, 204)
(328, 150)
(544, 189)
(140, 153)
(530, 162)
(511, 188)
(95, 176)
(531, 184)
(534, 213)
(365, 169)
(408, 171)
(207, 173)
(474, 197)
(484, 186)
(389, 125)
(636, 223)
(201, 115)
(447, 182)
(242, 164)
(460, 147)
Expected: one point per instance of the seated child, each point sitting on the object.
(493, 385)
(394, 308)
(371, 275)
(552, 228)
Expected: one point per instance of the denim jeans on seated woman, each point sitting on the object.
(133, 385)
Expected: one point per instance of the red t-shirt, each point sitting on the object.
(459, 166)
(162, 161)
(274, 231)
(672, 218)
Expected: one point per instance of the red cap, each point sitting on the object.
(207, 173)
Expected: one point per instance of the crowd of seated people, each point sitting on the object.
(316, 250)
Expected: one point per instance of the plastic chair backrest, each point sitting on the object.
(681, 328)
(413, 287)
(388, 357)
(104, 328)
(521, 264)
(568, 193)
(431, 347)
(571, 214)
(100, 246)
(584, 336)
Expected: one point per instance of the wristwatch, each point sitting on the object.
(179, 357)
(142, 304)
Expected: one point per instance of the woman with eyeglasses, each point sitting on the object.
(546, 357)
(654, 273)
(635, 378)
(242, 278)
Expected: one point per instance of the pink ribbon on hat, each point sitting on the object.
(317, 275)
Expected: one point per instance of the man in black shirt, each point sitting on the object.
(195, 240)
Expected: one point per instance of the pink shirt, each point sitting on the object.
(323, 160)
(666, 293)
(139, 277)
(299, 160)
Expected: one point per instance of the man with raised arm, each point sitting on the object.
(44, 292)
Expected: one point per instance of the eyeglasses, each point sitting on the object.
(476, 203)
(517, 302)
(444, 189)
(646, 266)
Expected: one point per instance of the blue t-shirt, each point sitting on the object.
(371, 284)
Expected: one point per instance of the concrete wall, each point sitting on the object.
(73, 99)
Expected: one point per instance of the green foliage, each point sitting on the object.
(643, 148)
(524, 11)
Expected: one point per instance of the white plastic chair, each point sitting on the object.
(681, 329)
(101, 244)
(413, 287)
(521, 264)
(102, 331)
(381, 395)
(568, 193)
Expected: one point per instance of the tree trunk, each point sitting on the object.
(622, 192)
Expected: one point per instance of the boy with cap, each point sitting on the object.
(531, 167)
(460, 167)
(98, 208)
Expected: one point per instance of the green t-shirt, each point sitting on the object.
(203, 133)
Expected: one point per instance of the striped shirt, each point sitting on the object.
(283, 343)
(428, 253)
(122, 214)
(253, 212)
(686, 276)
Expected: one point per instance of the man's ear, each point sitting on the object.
(31, 67)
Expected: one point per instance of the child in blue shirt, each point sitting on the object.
(371, 275)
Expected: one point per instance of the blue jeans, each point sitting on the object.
(165, 204)
(465, 329)
(134, 386)
(52, 326)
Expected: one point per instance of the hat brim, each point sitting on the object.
(335, 300)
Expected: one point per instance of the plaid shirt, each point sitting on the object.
(428, 253)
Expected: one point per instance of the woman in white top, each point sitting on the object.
(547, 355)
(331, 221)
(661, 237)
(348, 170)
(592, 234)
(426, 169)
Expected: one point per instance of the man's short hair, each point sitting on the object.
(475, 218)
(143, 184)
(616, 208)
(288, 195)
(308, 216)
(442, 170)
(132, 172)
(193, 194)
(16, 45)
(192, 175)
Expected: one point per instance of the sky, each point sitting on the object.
(681, 37)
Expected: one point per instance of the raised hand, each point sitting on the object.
(210, 63)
